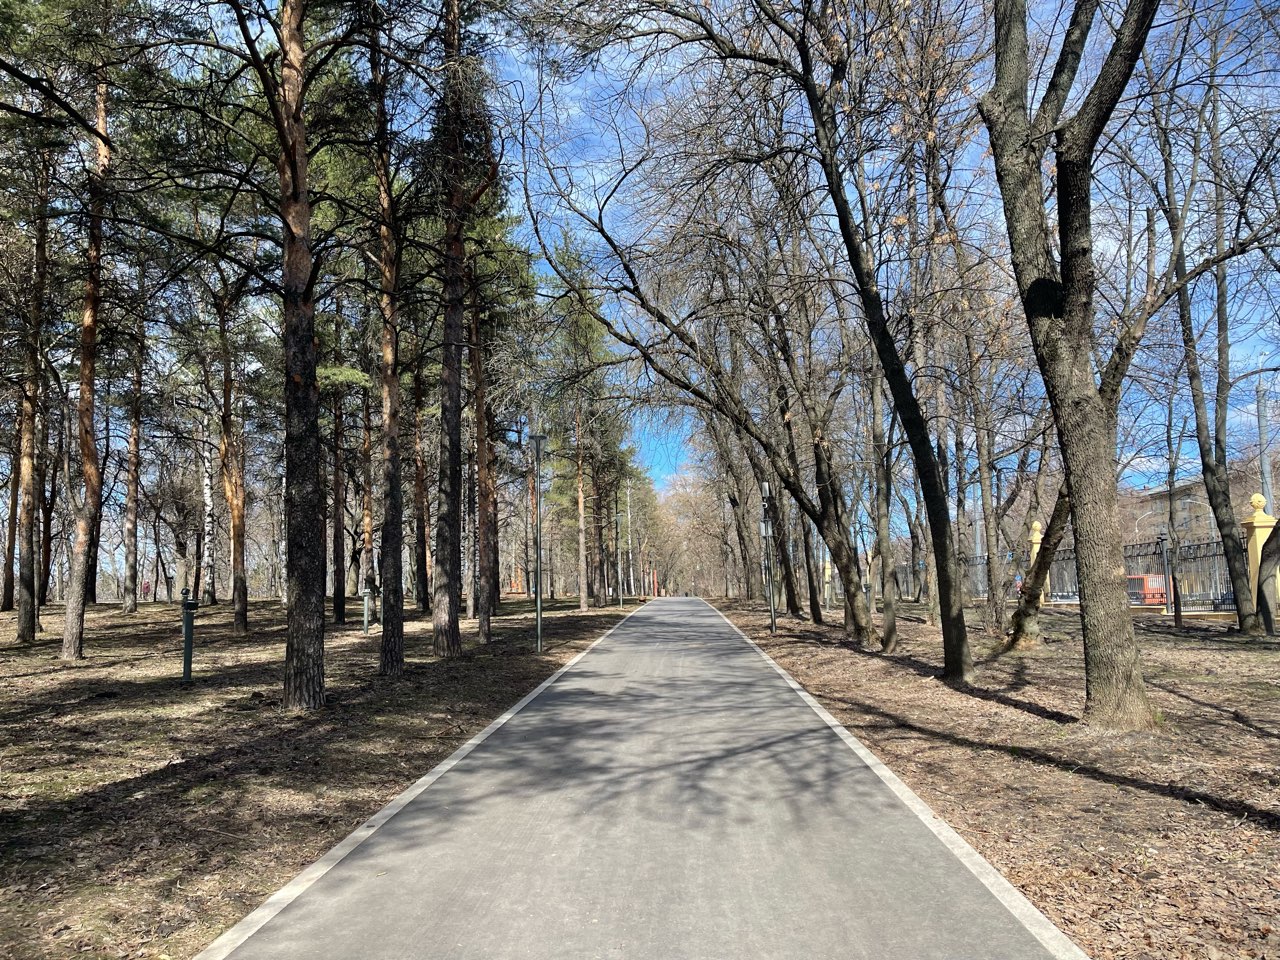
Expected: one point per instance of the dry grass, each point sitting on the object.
(141, 819)
(1154, 845)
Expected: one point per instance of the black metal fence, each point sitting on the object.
(1199, 571)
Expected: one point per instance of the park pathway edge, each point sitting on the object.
(232, 938)
(1013, 899)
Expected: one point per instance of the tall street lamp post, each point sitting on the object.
(538, 440)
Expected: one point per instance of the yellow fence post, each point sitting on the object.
(1256, 530)
(1036, 538)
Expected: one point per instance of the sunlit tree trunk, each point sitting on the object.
(486, 521)
(579, 442)
(231, 455)
(133, 460)
(89, 509)
(11, 523)
(391, 657)
(339, 518)
(421, 503)
(883, 498)
(1058, 300)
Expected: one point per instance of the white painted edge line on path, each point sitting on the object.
(242, 931)
(1040, 926)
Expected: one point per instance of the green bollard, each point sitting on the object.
(189, 608)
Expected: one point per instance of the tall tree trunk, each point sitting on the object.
(602, 560)
(46, 501)
(453, 127)
(11, 524)
(231, 454)
(782, 550)
(391, 659)
(89, 509)
(133, 463)
(582, 509)
(811, 571)
(1213, 449)
(421, 504)
(209, 596)
(485, 487)
(339, 519)
(368, 579)
(957, 659)
(304, 452)
(27, 603)
(1058, 300)
(471, 571)
(984, 447)
(883, 495)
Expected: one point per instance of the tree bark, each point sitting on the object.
(391, 657)
(485, 521)
(304, 491)
(89, 509)
(368, 578)
(209, 595)
(133, 463)
(1057, 299)
(1024, 625)
(339, 519)
(421, 503)
(579, 442)
(11, 524)
(883, 496)
(448, 589)
(957, 659)
(231, 456)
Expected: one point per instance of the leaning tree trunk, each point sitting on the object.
(1024, 625)
(957, 658)
(1268, 564)
(89, 509)
(883, 494)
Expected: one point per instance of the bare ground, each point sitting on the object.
(1152, 845)
(141, 819)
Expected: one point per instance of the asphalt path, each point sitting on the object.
(672, 794)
